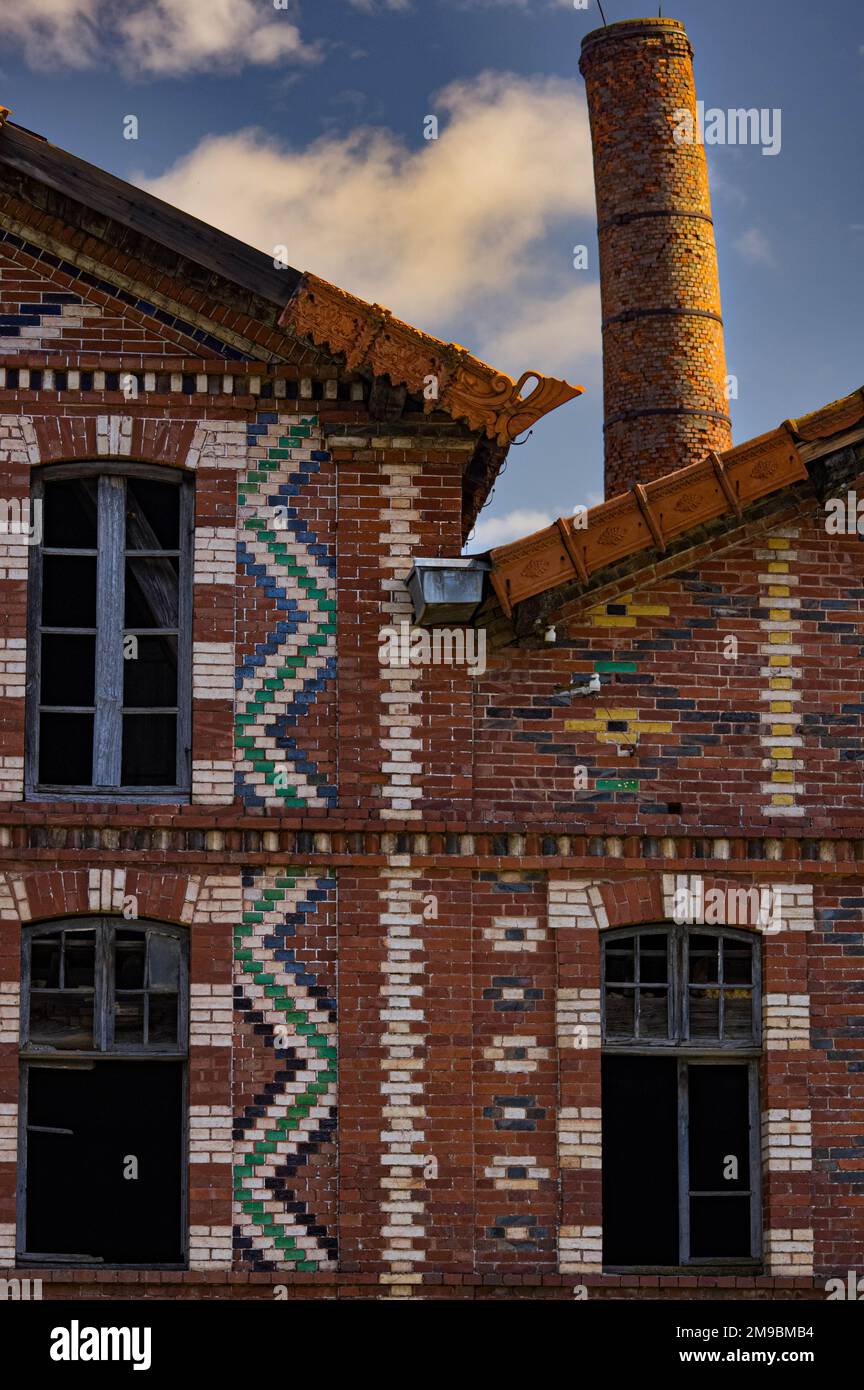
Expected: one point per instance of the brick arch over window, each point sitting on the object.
(79, 439)
(638, 900)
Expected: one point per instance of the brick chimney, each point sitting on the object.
(664, 364)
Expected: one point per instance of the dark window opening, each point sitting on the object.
(84, 1125)
(109, 683)
(103, 1051)
(680, 1165)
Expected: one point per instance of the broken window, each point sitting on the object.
(109, 667)
(681, 1026)
(104, 1031)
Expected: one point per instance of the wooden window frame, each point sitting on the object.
(111, 553)
(697, 1052)
(679, 993)
(67, 1058)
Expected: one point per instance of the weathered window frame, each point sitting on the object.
(678, 938)
(108, 720)
(698, 1052)
(106, 1049)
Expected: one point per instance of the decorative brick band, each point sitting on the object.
(285, 1086)
(404, 1159)
(400, 716)
(290, 662)
(780, 739)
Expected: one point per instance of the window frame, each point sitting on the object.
(104, 989)
(689, 1053)
(108, 719)
(678, 987)
(72, 1058)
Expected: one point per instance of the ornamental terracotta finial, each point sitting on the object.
(466, 388)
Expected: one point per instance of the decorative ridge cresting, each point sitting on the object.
(647, 516)
(466, 388)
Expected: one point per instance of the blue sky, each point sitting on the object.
(301, 124)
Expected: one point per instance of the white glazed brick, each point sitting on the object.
(531, 934)
(190, 902)
(11, 777)
(215, 555)
(20, 902)
(403, 1037)
(210, 1247)
(14, 553)
(577, 1018)
(579, 1137)
(401, 767)
(218, 444)
(114, 435)
(210, 1015)
(212, 671)
(13, 667)
(789, 1252)
(787, 1141)
(220, 899)
(17, 436)
(786, 1022)
(212, 782)
(10, 1011)
(210, 1130)
(8, 1133)
(576, 903)
(580, 1249)
(106, 890)
(7, 1243)
(504, 1048)
(502, 1181)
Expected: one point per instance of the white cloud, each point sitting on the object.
(154, 38)
(501, 530)
(474, 227)
(755, 247)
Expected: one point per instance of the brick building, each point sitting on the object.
(424, 979)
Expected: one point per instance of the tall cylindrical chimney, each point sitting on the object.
(664, 366)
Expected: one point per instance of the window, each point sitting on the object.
(109, 636)
(104, 1031)
(681, 1028)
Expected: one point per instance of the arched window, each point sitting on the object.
(109, 643)
(681, 1036)
(104, 1040)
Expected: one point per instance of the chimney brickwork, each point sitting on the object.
(664, 364)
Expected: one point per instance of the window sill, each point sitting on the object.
(146, 797)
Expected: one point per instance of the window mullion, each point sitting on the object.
(110, 576)
(683, 1161)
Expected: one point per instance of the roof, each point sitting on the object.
(578, 550)
(367, 336)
